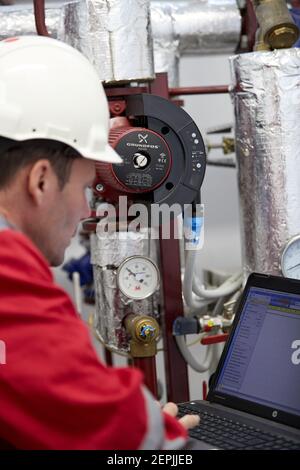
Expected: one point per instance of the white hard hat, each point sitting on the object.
(49, 90)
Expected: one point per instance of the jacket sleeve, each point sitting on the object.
(163, 431)
(56, 394)
(54, 391)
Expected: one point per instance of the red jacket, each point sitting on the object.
(54, 391)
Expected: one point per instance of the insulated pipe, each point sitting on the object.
(192, 27)
(266, 98)
(114, 35)
(119, 42)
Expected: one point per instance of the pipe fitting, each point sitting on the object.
(260, 44)
(278, 29)
(144, 331)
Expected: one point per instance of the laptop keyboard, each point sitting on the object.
(226, 433)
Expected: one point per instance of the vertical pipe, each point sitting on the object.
(175, 365)
(148, 366)
(266, 99)
(39, 16)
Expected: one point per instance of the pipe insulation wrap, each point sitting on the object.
(107, 253)
(18, 20)
(266, 98)
(192, 27)
(115, 35)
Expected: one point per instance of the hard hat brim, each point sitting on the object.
(108, 155)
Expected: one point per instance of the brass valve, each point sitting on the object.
(278, 29)
(144, 331)
(227, 145)
(260, 44)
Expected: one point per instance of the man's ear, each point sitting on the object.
(41, 181)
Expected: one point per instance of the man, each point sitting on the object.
(54, 392)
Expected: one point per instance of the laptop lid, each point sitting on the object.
(259, 370)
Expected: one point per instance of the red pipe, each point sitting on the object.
(250, 25)
(198, 90)
(39, 16)
(213, 339)
(175, 366)
(148, 366)
(177, 381)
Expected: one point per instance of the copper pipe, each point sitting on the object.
(199, 90)
(39, 16)
(249, 28)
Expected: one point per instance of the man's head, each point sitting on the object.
(54, 109)
(43, 191)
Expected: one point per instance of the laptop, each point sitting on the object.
(254, 398)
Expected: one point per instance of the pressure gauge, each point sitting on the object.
(290, 259)
(138, 277)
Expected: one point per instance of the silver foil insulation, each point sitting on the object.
(18, 20)
(107, 253)
(267, 107)
(192, 27)
(115, 35)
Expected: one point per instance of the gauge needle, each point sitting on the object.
(295, 266)
(130, 272)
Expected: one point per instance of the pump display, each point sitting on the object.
(163, 161)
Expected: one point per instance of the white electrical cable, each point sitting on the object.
(77, 292)
(190, 359)
(231, 284)
(218, 308)
(190, 300)
(191, 285)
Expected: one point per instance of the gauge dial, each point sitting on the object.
(138, 277)
(290, 260)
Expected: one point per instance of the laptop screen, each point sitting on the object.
(262, 364)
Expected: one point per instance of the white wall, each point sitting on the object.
(219, 191)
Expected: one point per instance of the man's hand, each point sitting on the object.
(188, 421)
